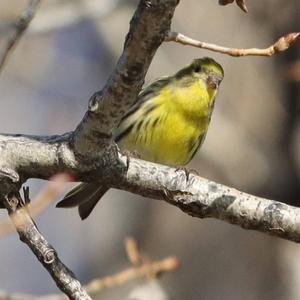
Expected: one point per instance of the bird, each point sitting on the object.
(167, 124)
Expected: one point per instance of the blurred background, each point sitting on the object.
(253, 144)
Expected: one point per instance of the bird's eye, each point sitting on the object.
(197, 69)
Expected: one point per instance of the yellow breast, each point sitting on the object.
(173, 130)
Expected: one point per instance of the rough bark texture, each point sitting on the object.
(90, 154)
(45, 253)
(202, 198)
(89, 151)
(148, 28)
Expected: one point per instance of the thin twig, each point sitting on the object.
(140, 269)
(148, 269)
(132, 252)
(41, 201)
(151, 269)
(45, 253)
(18, 29)
(281, 45)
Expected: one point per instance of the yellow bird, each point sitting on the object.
(167, 125)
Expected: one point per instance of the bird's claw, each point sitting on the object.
(167, 195)
(187, 172)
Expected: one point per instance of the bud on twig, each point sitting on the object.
(286, 41)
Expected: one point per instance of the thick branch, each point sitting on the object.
(45, 253)
(197, 196)
(279, 46)
(203, 198)
(18, 29)
(90, 154)
(89, 148)
(148, 29)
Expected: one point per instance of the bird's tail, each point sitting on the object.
(85, 196)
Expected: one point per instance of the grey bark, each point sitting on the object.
(89, 152)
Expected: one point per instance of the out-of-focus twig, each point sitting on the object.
(144, 269)
(132, 251)
(17, 30)
(151, 269)
(45, 253)
(141, 268)
(41, 201)
(281, 45)
(240, 3)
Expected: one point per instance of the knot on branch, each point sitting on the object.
(274, 217)
(49, 256)
(8, 173)
(94, 101)
(9, 185)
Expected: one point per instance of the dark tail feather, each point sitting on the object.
(86, 207)
(78, 194)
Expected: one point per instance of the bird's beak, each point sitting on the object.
(213, 81)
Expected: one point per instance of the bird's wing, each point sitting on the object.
(130, 118)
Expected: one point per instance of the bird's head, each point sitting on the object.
(205, 69)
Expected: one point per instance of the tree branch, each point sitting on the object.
(45, 253)
(90, 154)
(144, 269)
(197, 196)
(18, 30)
(148, 29)
(202, 198)
(89, 150)
(279, 46)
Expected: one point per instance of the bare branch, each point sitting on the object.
(203, 198)
(281, 45)
(90, 147)
(18, 30)
(148, 29)
(45, 253)
(90, 154)
(132, 252)
(197, 196)
(149, 269)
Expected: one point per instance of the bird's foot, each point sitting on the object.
(134, 154)
(187, 172)
(130, 154)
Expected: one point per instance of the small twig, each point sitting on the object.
(151, 269)
(46, 254)
(132, 252)
(18, 29)
(281, 45)
(141, 268)
(144, 269)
